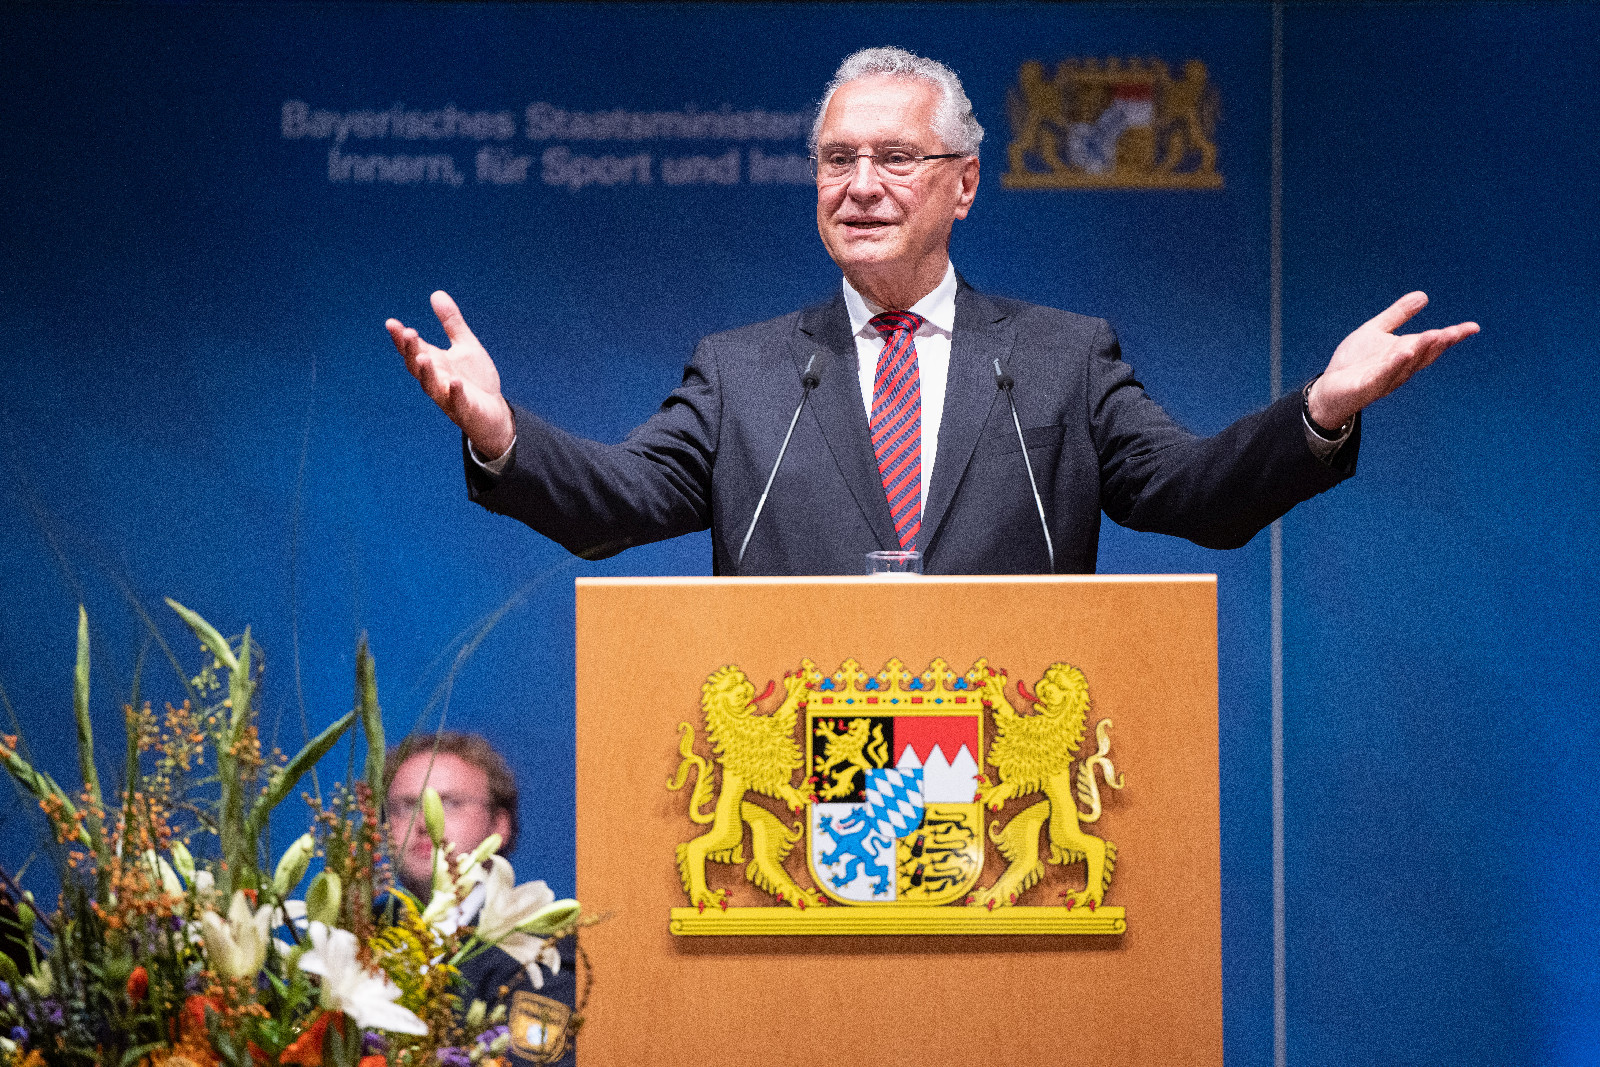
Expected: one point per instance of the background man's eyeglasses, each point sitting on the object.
(402, 808)
(896, 163)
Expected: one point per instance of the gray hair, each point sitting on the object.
(953, 121)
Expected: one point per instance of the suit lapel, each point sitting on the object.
(836, 404)
(981, 335)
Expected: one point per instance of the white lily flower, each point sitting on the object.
(204, 882)
(237, 947)
(439, 910)
(446, 916)
(506, 905)
(366, 996)
(531, 951)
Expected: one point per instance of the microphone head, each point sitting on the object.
(810, 378)
(1002, 380)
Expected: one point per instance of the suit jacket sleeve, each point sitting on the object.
(1217, 491)
(595, 499)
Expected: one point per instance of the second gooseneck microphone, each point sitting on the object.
(1004, 382)
(809, 380)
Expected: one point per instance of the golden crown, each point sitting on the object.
(896, 687)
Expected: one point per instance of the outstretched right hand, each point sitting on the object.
(461, 379)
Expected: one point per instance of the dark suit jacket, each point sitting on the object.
(1097, 442)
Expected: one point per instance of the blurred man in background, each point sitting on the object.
(478, 792)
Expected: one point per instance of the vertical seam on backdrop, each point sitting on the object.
(1280, 1016)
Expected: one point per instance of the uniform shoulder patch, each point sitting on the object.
(538, 1026)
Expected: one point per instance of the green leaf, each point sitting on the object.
(41, 785)
(278, 985)
(91, 777)
(139, 1052)
(303, 761)
(207, 634)
(371, 716)
(335, 1049)
(80, 708)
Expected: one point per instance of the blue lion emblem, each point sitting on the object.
(855, 848)
(863, 835)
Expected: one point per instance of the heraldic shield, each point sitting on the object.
(893, 816)
(883, 776)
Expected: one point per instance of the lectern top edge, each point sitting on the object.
(923, 580)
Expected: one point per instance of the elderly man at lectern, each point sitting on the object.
(911, 411)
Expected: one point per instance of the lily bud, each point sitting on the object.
(433, 815)
(169, 879)
(183, 861)
(552, 917)
(292, 867)
(475, 1016)
(322, 899)
(489, 846)
(442, 882)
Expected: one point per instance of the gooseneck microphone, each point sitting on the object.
(809, 380)
(1004, 382)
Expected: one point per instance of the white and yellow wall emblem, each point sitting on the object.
(1112, 124)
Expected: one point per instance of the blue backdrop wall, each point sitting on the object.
(201, 245)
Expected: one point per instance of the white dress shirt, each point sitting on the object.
(938, 310)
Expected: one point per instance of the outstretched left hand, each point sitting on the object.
(1373, 362)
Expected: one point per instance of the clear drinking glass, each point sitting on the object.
(894, 564)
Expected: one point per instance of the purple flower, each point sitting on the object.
(489, 1036)
(19, 1034)
(5, 991)
(454, 1057)
(373, 1044)
(54, 1014)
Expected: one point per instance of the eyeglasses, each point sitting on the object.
(837, 164)
(401, 809)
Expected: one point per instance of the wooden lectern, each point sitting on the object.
(1132, 978)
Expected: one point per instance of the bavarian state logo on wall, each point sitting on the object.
(1112, 124)
(884, 786)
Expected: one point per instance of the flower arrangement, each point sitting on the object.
(174, 946)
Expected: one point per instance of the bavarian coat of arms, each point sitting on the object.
(886, 779)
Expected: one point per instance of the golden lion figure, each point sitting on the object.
(1034, 753)
(756, 752)
(851, 747)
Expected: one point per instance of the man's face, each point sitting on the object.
(468, 815)
(873, 226)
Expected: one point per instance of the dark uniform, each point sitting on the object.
(538, 1018)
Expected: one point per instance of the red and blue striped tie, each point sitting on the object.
(897, 421)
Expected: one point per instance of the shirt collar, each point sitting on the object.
(938, 307)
